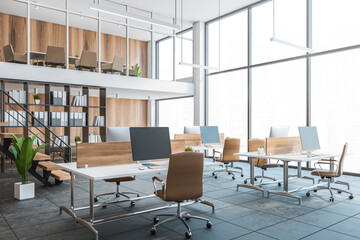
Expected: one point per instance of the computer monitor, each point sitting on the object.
(309, 138)
(148, 143)
(191, 129)
(209, 134)
(118, 134)
(279, 132)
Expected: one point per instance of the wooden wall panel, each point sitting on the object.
(138, 54)
(126, 113)
(116, 47)
(81, 39)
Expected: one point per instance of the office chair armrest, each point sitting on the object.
(328, 160)
(161, 181)
(218, 153)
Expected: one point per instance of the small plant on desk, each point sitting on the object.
(189, 149)
(76, 55)
(77, 139)
(24, 154)
(37, 98)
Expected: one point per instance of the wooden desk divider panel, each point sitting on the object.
(282, 145)
(112, 153)
(194, 139)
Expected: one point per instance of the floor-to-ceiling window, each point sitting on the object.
(278, 74)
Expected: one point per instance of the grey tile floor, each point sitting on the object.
(242, 214)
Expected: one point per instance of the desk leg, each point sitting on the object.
(299, 174)
(252, 180)
(72, 191)
(72, 207)
(91, 201)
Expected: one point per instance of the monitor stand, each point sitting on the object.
(145, 164)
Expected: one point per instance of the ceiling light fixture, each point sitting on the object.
(290, 44)
(132, 16)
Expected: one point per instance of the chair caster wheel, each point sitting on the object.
(188, 235)
(308, 194)
(315, 190)
(153, 231)
(331, 199)
(132, 203)
(245, 182)
(156, 220)
(351, 196)
(96, 199)
(117, 195)
(104, 206)
(339, 191)
(229, 173)
(279, 184)
(213, 174)
(233, 178)
(208, 224)
(255, 179)
(242, 175)
(215, 177)
(187, 218)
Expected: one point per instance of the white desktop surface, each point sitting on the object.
(296, 157)
(207, 147)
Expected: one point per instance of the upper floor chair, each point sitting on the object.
(55, 56)
(231, 146)
(10, 56)
(88, 60)
(184, 181)
(262, 163)
(132, 70)
(115, 66)
(330, 174)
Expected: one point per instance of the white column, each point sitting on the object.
(151, 112)
(199, 74)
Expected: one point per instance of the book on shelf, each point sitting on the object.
(58, 143)
(94, 138)
(58, 97)
(18, 96)
(78, 119)
(37, 141)
(99, 121)
(59, 119)
(79, 100)
(40, 117)
(15, 118)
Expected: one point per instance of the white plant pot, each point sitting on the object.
(37, 101)
(24, 191)
(77, 142)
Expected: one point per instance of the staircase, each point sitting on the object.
(56, 150)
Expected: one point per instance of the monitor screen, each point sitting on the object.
(191, 129)
(118, 134)
(149, 143)
(309, 138)
(209, 134)
(279, 132)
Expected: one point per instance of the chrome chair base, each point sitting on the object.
(182, 216)
(262, 177)
(328, 187)
(115, 195)
(230, 172)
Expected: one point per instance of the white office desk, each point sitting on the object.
(108, 172)
(207, 147)
(285, 158)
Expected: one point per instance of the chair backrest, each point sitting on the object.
(8, 53)
(341, 161)
(184, 179)
(231, 146)
(55, 55)
(254, 144)
(117, 63)
(88, 59)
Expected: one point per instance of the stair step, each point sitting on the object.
(41, 157)
(60, 175)
(3, 124)
(48, 166)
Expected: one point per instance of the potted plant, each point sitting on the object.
(227, 138)
(77, 139)
(189, 149)
(76, 55)
(138, 73)
(24, 154)
(37, 98)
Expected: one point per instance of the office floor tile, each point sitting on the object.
(349, 226)
(222, 231)
(254, 236)
(327, 234)
(230, 213)
(257, 221)
(8, 235)
(343, 208)
(320, 218)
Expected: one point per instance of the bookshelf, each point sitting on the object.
(95, 105)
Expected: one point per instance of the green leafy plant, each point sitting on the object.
(77, 139)
(227, 138)
(37, 97)
(138, 73)
(189, 149)
(77, 55)
(24, 154)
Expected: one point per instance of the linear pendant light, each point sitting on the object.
(182, 48)
(290, 44)
(132, 16)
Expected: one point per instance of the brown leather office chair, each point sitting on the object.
(88, 60)
(115, 66)
(262, 163)
(231, 146)
(10, 56)
(55, 56)
(132, 70)
(118, 193)
(184, 182)
(330, 174)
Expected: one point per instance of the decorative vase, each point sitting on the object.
(24, 191)
(37, 101)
